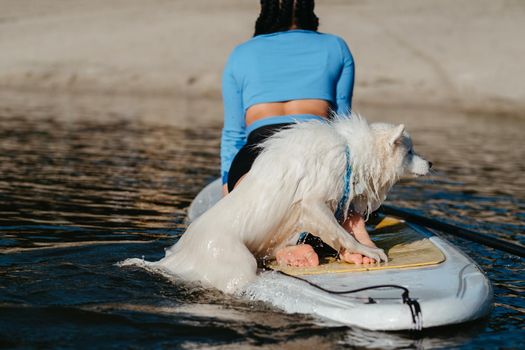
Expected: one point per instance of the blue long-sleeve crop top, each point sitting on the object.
(282, 66)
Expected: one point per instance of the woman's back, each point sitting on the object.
(282, 77)
(292, 65)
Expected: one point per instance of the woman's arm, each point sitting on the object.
(234, 130)
(345, 83)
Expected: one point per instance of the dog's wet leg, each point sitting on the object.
(235, 269)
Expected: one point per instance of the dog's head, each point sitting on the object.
(381, 153)
(397, 150)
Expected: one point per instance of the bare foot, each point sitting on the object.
(302, 255)
(355, 258)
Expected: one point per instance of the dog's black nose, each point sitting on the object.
(429, 165)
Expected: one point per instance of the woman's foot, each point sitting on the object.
(355, 258)
(302, 255)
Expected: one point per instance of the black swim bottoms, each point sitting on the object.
(322, 249)
(242, 163)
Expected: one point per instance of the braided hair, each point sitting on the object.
(280, 15)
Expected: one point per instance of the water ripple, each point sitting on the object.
(77, 196)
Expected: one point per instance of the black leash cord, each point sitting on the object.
(415, 308)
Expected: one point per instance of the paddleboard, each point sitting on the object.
(428, 282)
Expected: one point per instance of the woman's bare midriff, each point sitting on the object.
(266, 110)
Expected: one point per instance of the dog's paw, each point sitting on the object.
(377, 254)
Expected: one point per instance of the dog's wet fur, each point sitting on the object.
(293, 186)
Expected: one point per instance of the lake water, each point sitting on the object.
(79, 194)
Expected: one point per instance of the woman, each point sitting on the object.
(287, 73)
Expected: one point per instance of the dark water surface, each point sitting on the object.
(77, 196)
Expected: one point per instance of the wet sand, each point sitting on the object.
(131, 54)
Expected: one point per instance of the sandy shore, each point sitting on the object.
(456, 55)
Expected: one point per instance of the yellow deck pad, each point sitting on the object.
(388, 221)
(405, 247)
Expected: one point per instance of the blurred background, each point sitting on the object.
(110, 118)
(450, 55)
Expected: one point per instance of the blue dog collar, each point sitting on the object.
(342, 205)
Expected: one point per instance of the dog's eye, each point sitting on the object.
(410, 151)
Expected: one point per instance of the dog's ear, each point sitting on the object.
(397, 134)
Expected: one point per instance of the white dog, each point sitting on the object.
(294, 185)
